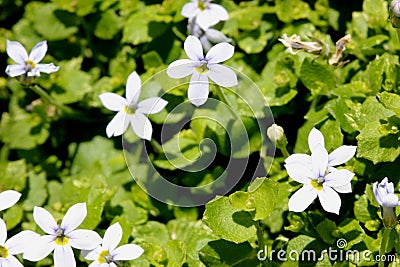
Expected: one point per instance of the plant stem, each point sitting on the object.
(222, 95)
(4, 152)
(398, 34)
(284, 151)
(261, 244)
(156, 146)
(384, 244)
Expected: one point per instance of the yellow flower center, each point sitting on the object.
(3, 252)
(202, 4)
(30, 65)
(317, 184)
(61, 240)
(105, 257)
(202, 67)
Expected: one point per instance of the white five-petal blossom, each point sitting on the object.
(28, 65)
(205, 13)
(201, 68)
(62, 237)
(13, 246)
(318, 176)
(107, 254)
(130, 111)
(385, 196)
(8, 198)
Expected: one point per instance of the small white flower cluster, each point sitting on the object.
(61, 237)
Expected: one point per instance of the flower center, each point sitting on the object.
(130, 109)
(61, 239)
(3, 252)
(203, 4)
(202, 67)
(29, 65)
(318, 183)
(105, 257)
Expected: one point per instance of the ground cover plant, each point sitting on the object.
(199, 133)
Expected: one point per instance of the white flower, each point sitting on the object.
(8, 198)
(385, 196)
(206, 13)
(28, 65)
(108, 255)
(13, 246)
(130, 111)
(203, 68)
(339, 156)
(318, 181)
(62, 237)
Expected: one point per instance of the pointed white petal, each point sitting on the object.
(118, 124)
(211, 16)
(190, 10)
(74, 217)
(39, 250)
(193, 48)
(84, 239)
(300, 200)
(338, 178)
(3, 232)
(341, 155)
(319, 158)
(219, 53)
(112, 237)
(216, 36)
(45, 220)
(17, 52)
(141, 126)
(64, 257)
(133, 88)
(299, 158)
(198, 89)
(38, 52)
(329, 199)
(222, 75)
(315, 137)
(19, 243)
(8, 198)
(377, 194)
(47, 68)
(92, 255)
(151, 105)
(218, 11)
(299, 172)
(343, 189)
(180, 68)
(11, 261)
(15, 70)
(113, 101)
(127, 252)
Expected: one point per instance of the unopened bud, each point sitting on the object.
(395, 5)
(277, 135)
(216, 36)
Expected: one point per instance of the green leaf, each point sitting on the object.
(341, 110)
(318, 78)
(289, 10)
(108, 25)
(176, 253)
(351, 231)
(13, 216)
(255, 41)
(152, 230)
(332, 134)
(263, 193)
(362, 211)
(229, 222)
(390, 101)
(37, 193)
(325, 229)
(13, 175)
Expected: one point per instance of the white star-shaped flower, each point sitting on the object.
(28, 65)
(201, 68)
(130, 111)
(108, 255)
(62, 237)
(8, 198)
(206, 13)
(385, 196)
(13, 246)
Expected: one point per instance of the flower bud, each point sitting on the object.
(216, 36)
(277, 135)
(395, 5)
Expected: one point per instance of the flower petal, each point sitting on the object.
(300, 200)
(315, 137)
(133, 88)
(141, 126)
(390, 201)
(219, 53)
(64, 257)
(299, 158)
(3, 232)
(343, 189)
(193, 48)
(377, 195)
(211, 16)
(38, 52)
(338, 178)
(19, 243)
(11, 261)
(45, 220)
(152, 105)
(341, 155)
(118, 124)
(329, 199)
(319, 158)
(180, 68)
(39, 250)
(74, 217)
(222, 75)
(15, 70)
(17, 52)
(47, 68)
(190, 10)
(113, 101)
(112, 237)
(198, 89)
(84, 239)
(8, 198)
(299, 172)
(127, 252)
(93, 254)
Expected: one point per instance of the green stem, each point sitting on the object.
(222, 95)
(284, 151)
(261, 244)
(384, 244)
(398, 34)
(4, 152)
(156, 146)
(314, 102)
